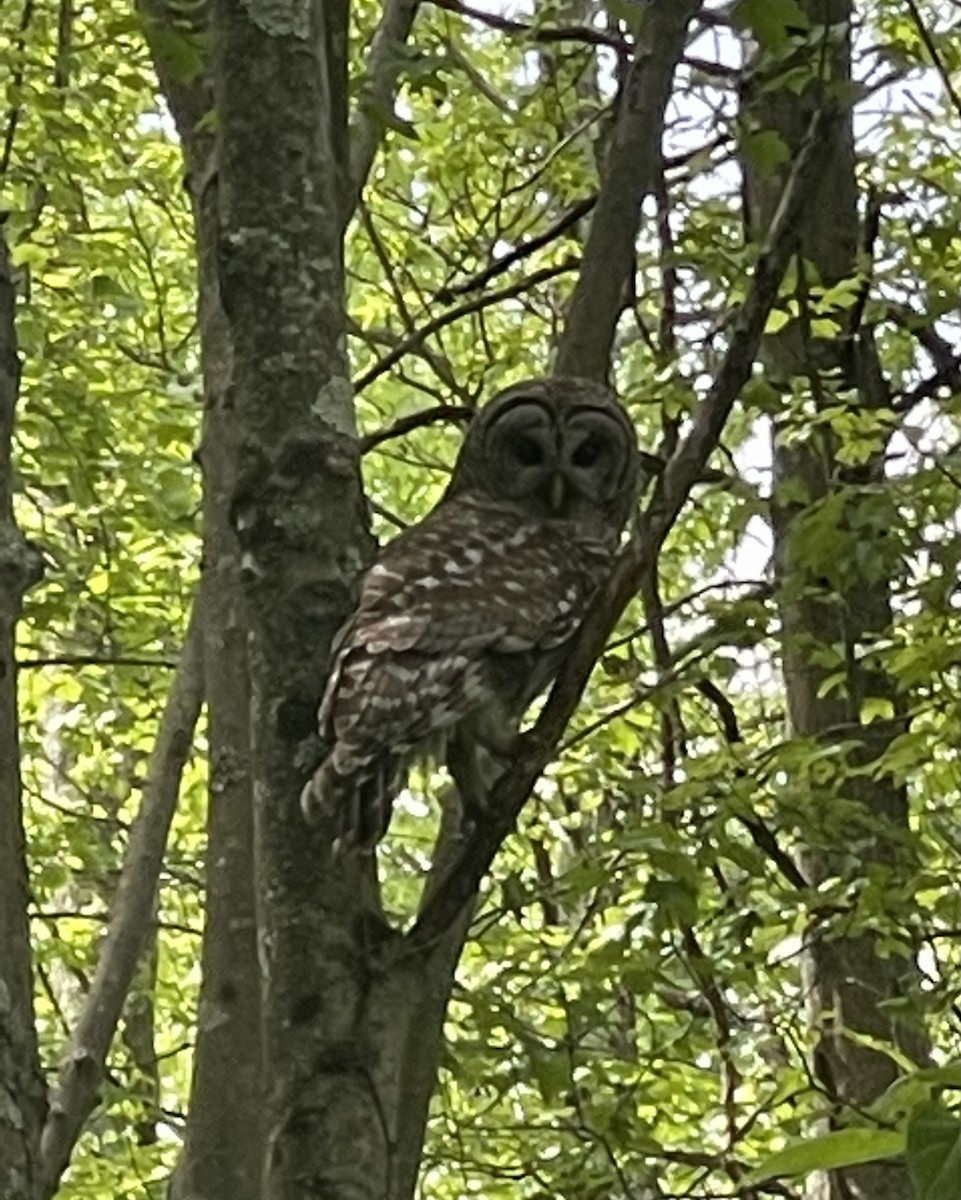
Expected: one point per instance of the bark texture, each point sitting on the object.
(280, 86)
(352, 1019)
(847, 979)
(280, 464)
(22, 1097)
(223, 1147)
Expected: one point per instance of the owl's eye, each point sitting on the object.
(528, 452)
(588, 452)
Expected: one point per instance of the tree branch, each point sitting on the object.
(22, 1091)
(16, 80)
(404, 425)
(947, 375)
(634, 161)
(536, 748)
(506, 261)
(567, 33)
(432, 326)
(75, 1095)
(762, 837)
(385, 60)
(93, 660)
(932, 49)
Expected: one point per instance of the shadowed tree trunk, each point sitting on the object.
(835, 592)
(22, 1096)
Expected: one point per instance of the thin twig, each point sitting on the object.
(94, 660)
(568, 33)
(16, 87)
(762, 837)
(417, 339)
(925, 35)
(949, 375)
(404, 425)
(672, 728)
(522, 251)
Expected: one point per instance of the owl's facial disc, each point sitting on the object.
(557, 449)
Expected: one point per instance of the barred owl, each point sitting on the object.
(465, 617)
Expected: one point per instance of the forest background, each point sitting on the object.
(716, 952)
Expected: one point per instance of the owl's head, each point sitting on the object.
(558, 449)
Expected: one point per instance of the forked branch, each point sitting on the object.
(537, 748)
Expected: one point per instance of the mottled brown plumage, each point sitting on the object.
(464, 618)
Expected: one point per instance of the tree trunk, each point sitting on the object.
(299, 513)
(224, 1145)
(223, 1149)
(22, 1093)
(834, 602)
(631, 169)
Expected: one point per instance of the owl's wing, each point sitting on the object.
(468, 586)
(470, 578)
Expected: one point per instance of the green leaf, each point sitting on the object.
(767, 151)
(760, 394)
(876, 708)
(183, 52)
(844, 294)
(676, 902)
(771, 21)
(829, 1152)
(836, 682)
(910, 1090)
(934, 1152)
(776, 321)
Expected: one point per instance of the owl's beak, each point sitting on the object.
(556, 495)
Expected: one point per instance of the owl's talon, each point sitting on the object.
(308, 803)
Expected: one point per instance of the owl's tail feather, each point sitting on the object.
(356, 807)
